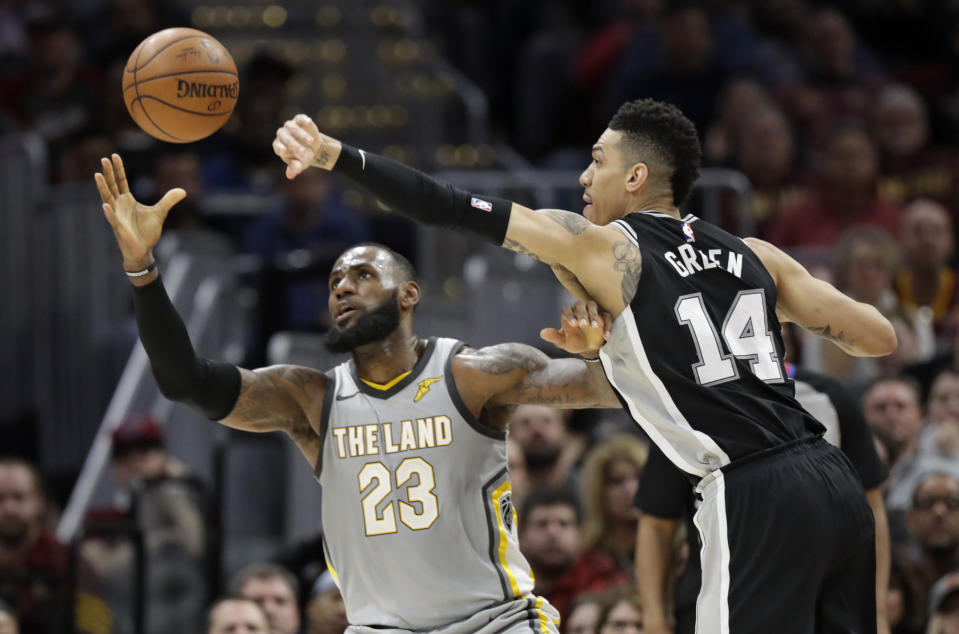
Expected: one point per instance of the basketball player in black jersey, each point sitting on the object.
(695, 356)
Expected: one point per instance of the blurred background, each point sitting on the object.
(829, 129)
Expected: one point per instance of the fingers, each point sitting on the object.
(121, 174)
(296, 127)
(109, 176)
(607, 325)
(103, 188)
(169, 199)
(294, 167)
(281, 150)
(553, 336)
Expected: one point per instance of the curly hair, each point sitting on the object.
(659, 132)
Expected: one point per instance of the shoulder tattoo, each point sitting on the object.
(628, 262)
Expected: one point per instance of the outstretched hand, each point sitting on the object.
(137, 227)
(584, 329)
(300, 144)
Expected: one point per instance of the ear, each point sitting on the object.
(636, 177)
(409, 294)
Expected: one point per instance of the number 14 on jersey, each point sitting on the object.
(745, 331)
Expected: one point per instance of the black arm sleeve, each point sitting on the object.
(423, 198)
(211, 388)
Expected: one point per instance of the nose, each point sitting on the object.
(586, 178)
(344, 287)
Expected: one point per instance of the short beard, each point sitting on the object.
(376, 325)
(541, 458)
(13, 532)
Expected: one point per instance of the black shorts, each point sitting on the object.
(788, 546)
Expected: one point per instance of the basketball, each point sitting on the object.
(180, 85)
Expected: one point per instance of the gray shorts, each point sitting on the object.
(520, 616)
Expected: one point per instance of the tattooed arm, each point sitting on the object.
(281, 398)
(514, 374)
(593, 262)
(857, 328)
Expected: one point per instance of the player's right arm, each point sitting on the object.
(856, 327)
(277, 398)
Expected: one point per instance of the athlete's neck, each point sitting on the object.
(663, 204)
(384, 360)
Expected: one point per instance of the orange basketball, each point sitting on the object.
(180, 85)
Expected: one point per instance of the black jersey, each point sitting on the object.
(697, 356)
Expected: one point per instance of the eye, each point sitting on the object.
(365, 274)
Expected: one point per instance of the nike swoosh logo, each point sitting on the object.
(343, 398)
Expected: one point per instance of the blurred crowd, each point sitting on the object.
(844, 117)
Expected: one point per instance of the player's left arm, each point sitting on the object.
(518, 374)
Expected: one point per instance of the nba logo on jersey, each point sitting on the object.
(688, 232)
(482, 204)
(506, 510)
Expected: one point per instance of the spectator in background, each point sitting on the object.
(620, 612)
(944, 605)
(550, 449)
(765, 151)
(740, 101)
(911, 166)
(687, 75)
(34, 566)
(55, 93)
(933, 522)
(927, 282)
(276, 590)
(168, 513)
(518, 476)
(298, 243)
(841, 78)
(845, 194)
(891, 407)
(326, 612)
(866, 261)
(236, 159)
(549, 538)
(583, 615)
(236, 616)
(941, 435)
(905, 601)
(8, 620)
(611, 473)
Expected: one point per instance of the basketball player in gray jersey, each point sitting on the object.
(407, 437)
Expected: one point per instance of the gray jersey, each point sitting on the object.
(419, 529)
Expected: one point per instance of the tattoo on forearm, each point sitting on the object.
(629, 262)
(573, 223)
(827, 333)
(507, 357)
(515, 246)
(324, 158)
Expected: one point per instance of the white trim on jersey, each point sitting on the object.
(712, 606)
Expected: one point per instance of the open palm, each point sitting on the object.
(137, 227)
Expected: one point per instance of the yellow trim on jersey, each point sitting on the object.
(386, 386)
(503, 537)
(332, 570)
(543, 619)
